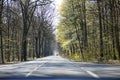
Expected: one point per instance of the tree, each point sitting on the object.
(28, 8)
(101, 30)
(1, 31)
(20, 26)
(90, 28)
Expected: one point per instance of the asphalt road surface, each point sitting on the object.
(58, 68)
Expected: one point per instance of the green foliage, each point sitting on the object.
(79, 30)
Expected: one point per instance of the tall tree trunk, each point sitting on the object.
(36, 47)
(100, 29)
(2, 54)
(112, 29)
(39, 38)
(25, 32)
(84, 24)
(8, 25)
(117, 15)
(24, 45)
(24, 50)
(1, 35)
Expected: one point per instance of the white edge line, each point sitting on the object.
(91, 73)
(28, 74)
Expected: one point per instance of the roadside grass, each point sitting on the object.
(77, 58)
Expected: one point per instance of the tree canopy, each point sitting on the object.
(90, 30)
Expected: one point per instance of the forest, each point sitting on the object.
(90, 30)
(26, 29)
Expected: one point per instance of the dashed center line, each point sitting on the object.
(91, 73)
(27, 75)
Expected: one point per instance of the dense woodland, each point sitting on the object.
(26, 29)
(90, 30)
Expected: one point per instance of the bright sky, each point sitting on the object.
(57, 21)
(58, 5)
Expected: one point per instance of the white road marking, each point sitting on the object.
(27, 75)
(93, 74)
(90, 73)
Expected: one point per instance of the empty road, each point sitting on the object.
(58, 68)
